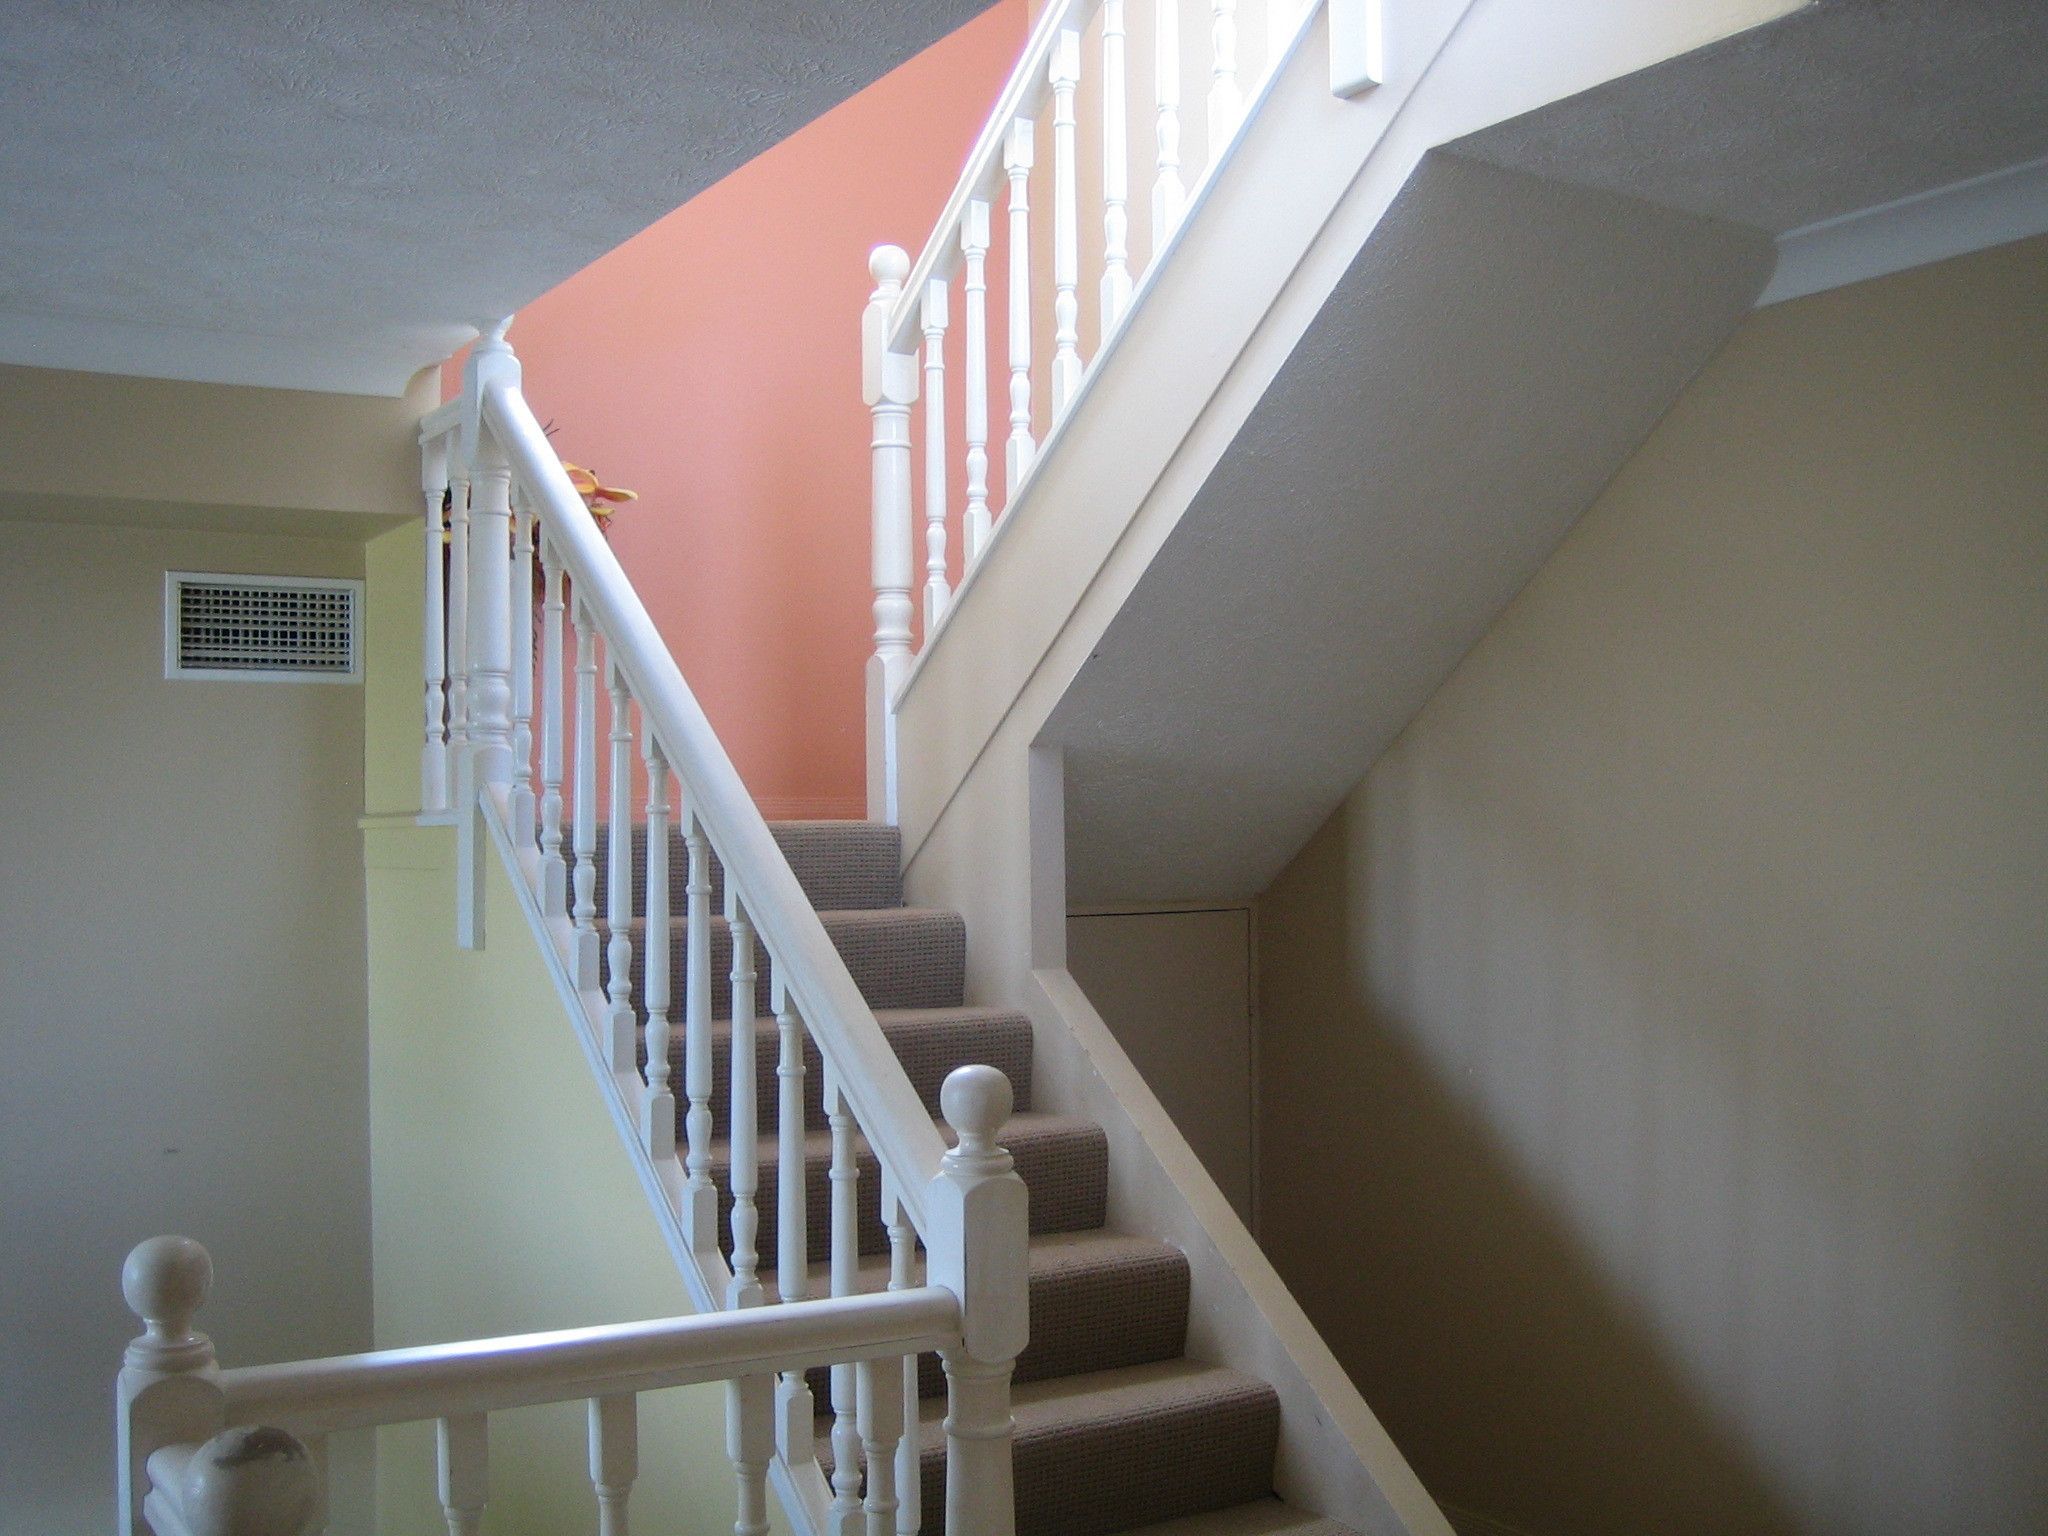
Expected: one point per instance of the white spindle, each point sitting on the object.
(584, 790)
(889, 386)
(979, 1247)
(1020, 149)
(974, 523)
(463, 1448)
(879, 1390)
(1169, 196)
(750, 1442)
(614, 1458)
(902, 1262)
(700, 1212)
(458, 612)
(1226, 97)
(520, 619)
(742, 1133)
(434, 632)
(794, 1408)
(1064, 72)
(619, 880)
(658, 1112)
(936, 590)
(1116, 169)
(554, 874)
(844, 1180)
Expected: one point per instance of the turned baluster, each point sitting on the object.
(878, 1386)
(1116, 170)
(845, 1269)
(614, 1458)
(521, 804)
(1020, 149)
(458, 614)
(902, 1267)
(936, 590)
(1226, 97)
(741, 1135)
(490, 605)
(462, 1446)
(618, 904)
(794, 1408)
(434, 631)
(554, 874)
(1169, 196)
(658, 1103)
(700, 1209)
(584, 912)
(974, 523)
(1064, 73)
(889, 386)
(749, 1443)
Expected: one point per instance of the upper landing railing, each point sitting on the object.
(1059, 146)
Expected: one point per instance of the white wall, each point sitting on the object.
(181, 993)
(1654, 1041)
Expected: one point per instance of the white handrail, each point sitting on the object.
(394, 1386)
(856, 1053)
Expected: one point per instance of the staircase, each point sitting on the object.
(1116, 1428)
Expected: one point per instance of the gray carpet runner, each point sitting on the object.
(1116, 1429)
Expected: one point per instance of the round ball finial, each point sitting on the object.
(976, 1102)
(250, 1481)
(165, 1281)
(888, 265)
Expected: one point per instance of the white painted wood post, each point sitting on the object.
(490, 573)
(742, 1135)
(1116, 170)
(434, 631)
(1358, 57)
(794, 1409)
(658, 1103)
(1020, 150)
(521, 802)
(618, 904)
(614, 1458)
(936, 590)
(845, 1517)
(700, 1196)
(977, 1245)
(974, 523)
(750, 1443)
(584, 791)
(1226, 96)
(458, 608)
(1169, 196)
(554, 873)
(902, 1262)
(1064, 73)
(168, 1392)
(462, 1445)
(889, 386)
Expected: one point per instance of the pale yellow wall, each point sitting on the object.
(503, 1198)
(1654, 1043)
(181, 994)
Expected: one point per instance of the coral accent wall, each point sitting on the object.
(712, 363)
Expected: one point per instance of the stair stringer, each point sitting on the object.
(980, 786)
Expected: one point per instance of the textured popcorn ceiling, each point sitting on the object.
(328, 195)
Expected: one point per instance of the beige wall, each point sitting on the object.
(1654, 1042)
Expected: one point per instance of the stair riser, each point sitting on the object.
(910, 961)
(1067, 1175)
(1084, 1320)
(851, 866)
(928, 1053)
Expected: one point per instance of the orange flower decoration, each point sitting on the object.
(603, 500)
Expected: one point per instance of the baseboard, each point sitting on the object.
(1466, 1523)
(794, 808)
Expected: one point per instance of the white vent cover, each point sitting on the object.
(300, 628)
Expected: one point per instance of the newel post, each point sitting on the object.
(487, 755)
(978, 1243)
(889, 386)
(168, 1392)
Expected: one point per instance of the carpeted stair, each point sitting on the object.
(1116, 1429)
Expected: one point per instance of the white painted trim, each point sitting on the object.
(1965, 216)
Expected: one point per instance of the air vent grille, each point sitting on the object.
(305, 628)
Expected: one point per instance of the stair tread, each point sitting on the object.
(1061, 1404)
(1260, 1517)
(831, 917)
(1051, 1253)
